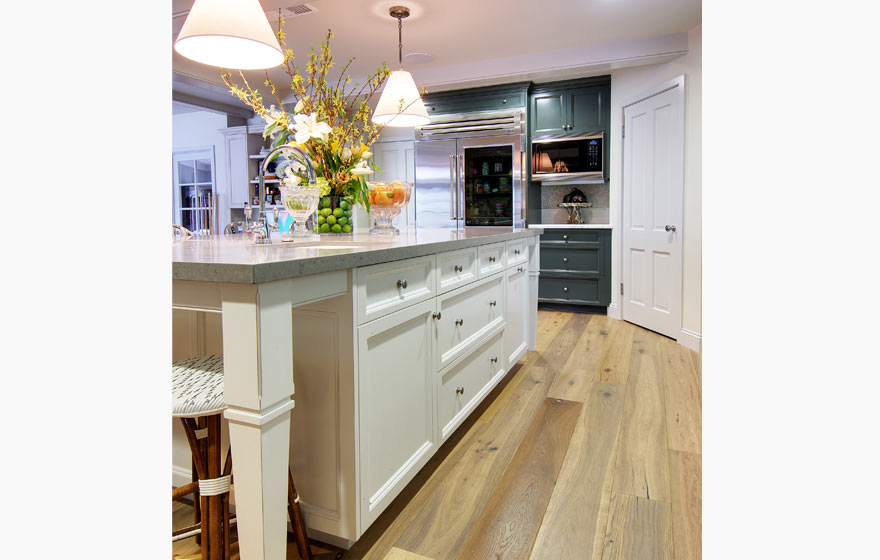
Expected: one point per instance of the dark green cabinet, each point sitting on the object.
(492, 98)
(575, 267)
(569, 110)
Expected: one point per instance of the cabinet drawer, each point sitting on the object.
(464, 385)
(571, 259)
(466, 316)
(592, 236)
(491, 258)
(388, 287)
(457, 268)
(517, 252)
(577, 290)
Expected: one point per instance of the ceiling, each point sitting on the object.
(479, 42)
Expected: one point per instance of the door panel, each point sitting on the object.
(653, 192)
(548, 112)
(586, 110)
(507, 153)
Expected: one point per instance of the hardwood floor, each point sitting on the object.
(590, 448)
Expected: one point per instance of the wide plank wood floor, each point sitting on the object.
(589, 448)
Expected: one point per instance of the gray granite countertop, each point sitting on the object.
(237, 259)
(571, 226)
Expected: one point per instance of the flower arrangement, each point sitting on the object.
(330, 122)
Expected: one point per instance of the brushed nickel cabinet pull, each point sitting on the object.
(564, 259)
(491, 259)
(564, 289)
(459, 268)
(565, 237)
(436, 315)
(493, 303)
(459, 322)
(519, 269)
(401, 284)
(459, 390)
(494, 360)
(516, 251)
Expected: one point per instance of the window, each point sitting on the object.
(194, 190)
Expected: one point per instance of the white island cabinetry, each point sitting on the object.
(385, 370)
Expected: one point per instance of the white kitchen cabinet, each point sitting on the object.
(396, 403)
(467, 316)
(517, 288)
(241, 144)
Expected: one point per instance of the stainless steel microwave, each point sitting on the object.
(568, 158)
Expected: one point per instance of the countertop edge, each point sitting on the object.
(269, 272)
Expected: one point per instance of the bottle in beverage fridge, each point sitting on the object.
(485, 168)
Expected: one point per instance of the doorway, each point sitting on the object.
(653, 203)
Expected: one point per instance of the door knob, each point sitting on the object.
(670, 228)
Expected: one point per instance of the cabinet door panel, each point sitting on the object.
(237, 156)
(570, 288)
(396, 403)
(585, 110)
(466, 315)
(571, 260)
(515, 343)
(548, 113)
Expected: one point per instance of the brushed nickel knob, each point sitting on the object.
(564, 259)
(491, 259)
(492, 303)
(436, 315)
(494, 360)
(565, 237)
(458, 268)
(401, 284)
(516, 251)
(459, 390)
(564, 289)
(519, 269)
(459, 322)
(670, 228)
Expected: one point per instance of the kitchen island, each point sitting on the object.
(390, 343)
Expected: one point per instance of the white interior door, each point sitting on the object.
(653, 198)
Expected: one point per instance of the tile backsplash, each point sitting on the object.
(597, 194)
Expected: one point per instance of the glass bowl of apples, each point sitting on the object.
(387, 199)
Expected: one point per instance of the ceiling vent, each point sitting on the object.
(292, 12)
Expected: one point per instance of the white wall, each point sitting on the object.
(627, 84)
(198, 130)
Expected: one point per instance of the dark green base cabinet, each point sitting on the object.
(575, 267)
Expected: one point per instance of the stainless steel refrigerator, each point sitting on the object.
(470, 170)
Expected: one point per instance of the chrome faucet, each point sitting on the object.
(262, 224)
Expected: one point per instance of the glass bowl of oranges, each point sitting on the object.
(387, 199)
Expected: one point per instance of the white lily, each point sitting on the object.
(308, 126)
(271, 118)
(367, 155)
(361, 168)
(299, 104)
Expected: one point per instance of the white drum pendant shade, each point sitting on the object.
(229, 34)
(400, 103)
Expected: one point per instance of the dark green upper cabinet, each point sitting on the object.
(572, 106)
(548, 113)
(492, 98)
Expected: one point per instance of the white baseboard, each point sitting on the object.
(615, 312)
(691, 339)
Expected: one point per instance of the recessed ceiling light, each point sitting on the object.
(418, 58)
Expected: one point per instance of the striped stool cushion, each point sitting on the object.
(197, 387)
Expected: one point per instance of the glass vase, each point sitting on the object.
(387, 199)
(334, 216)
(300, 202)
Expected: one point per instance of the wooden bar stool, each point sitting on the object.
(197, 399)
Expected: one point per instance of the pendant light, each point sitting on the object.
(400, 104)
(229, 34)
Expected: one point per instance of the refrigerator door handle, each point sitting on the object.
(523, 183)
(453, 203)
(459, 169)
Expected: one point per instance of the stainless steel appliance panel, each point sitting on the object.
(436, 181)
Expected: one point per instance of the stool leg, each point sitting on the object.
(189, 426)
(215, 524)
(197, 498)
(296, 519)
(227, 526)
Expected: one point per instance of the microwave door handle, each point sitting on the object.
(452, 189)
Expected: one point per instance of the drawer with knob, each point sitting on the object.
(388, 287)
(457, 268)
(571, 259)
(572, 236)
(466, 315)
(517, 252)
(569, 289)
(491, 258)
(463, 384)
